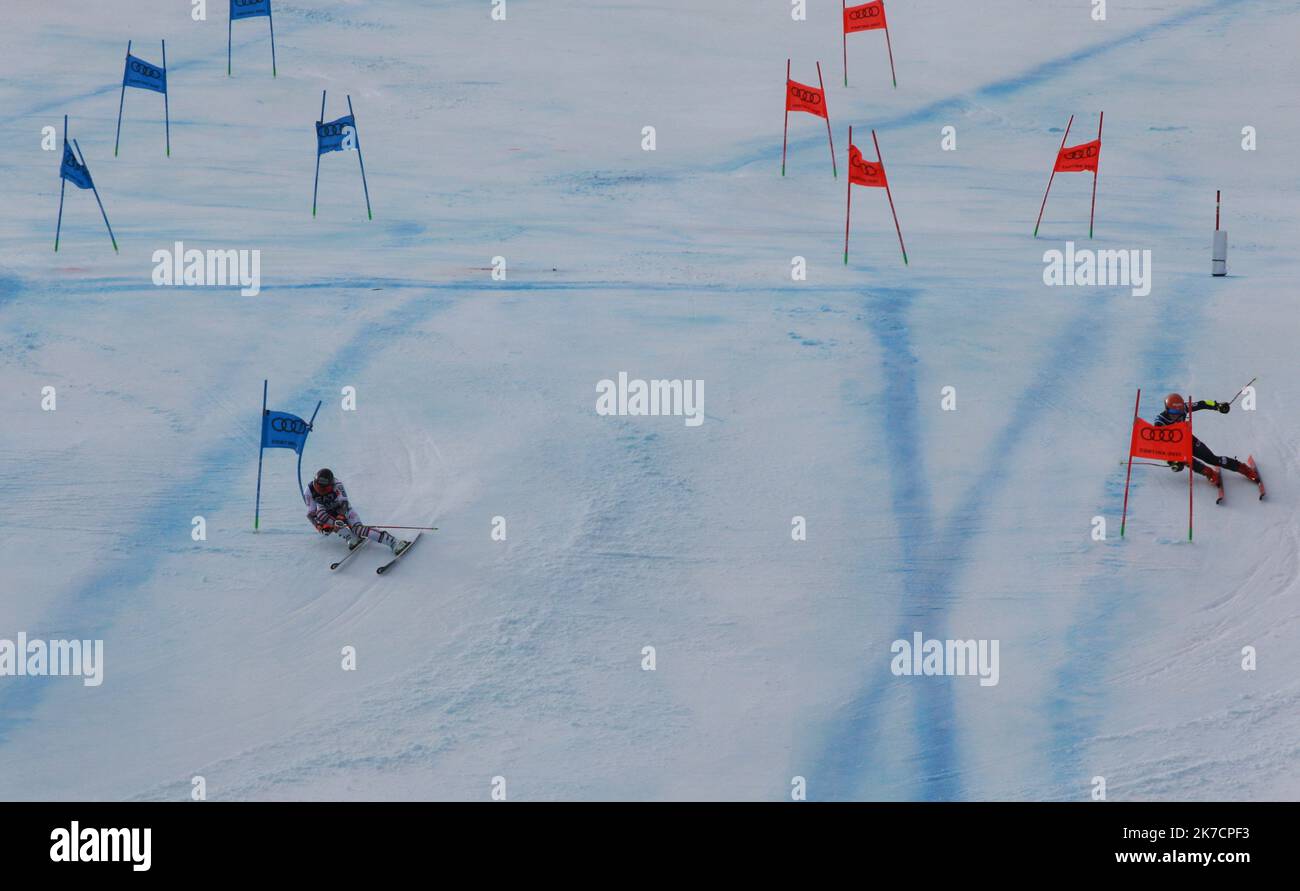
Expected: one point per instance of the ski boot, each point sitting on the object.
(395, 544)
(349, 535)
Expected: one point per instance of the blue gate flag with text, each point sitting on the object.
(144, 75)
(74, 171)
(246, 9)
(331, 135)
(281, 430)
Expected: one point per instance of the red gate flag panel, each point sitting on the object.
(867, 17)
(801, 97)
(863, 172)
(1078, 158)
(1170, 442)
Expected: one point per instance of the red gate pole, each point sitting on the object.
(1093, 212)
(830, 139)
(848, 201)
(890, 196)
(889, 47)
(1124, 516)
(1053, 176)
(844, 40)
(1191, 465)
(786, 102)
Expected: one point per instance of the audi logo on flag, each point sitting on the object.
(1162, 434)
(871, 12)
(812, 97)
(145, 70)
(1081, 153)
(287, 425)
(248, 2)
(333, 129)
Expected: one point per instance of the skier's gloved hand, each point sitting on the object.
(1224, 406)
(1176, 466)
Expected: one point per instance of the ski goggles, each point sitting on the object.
(1178, 410)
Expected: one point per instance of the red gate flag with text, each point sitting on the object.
(863, 172)
(1169, 442)
(866, 17)
(1082, 158)
(1079, 158)
(801, 97)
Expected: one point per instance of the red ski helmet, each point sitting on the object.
(1174, 403)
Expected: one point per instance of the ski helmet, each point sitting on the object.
(325, 478)
(1174, 403)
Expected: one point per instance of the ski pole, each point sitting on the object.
(425, 528)
(1242, 390)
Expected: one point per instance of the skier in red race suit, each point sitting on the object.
(1176, 410)
(330, 513)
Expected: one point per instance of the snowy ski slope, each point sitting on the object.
(475, 399)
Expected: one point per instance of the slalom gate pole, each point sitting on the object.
(844, 39)
(94, 188)
(121, 102)
(1093, 212)
(270, 19)
(848, 200)
(261, 447)
(1124, 516)
(785, 134)
(1191, 465)
(316, 185)
(360, 160)
(304, 444)
(890, 195)
(167, 115)
(829, 138)
(1053, 176)
(889, 46)
(63, 185)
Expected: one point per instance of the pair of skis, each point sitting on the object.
(387, 566)
(1250, 461)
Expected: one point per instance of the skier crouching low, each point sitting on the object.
(1176, 411)
(330, 513)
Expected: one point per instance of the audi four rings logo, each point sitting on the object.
(288, 425)
(1077, 154)
(333, 128)
(145, 70)
(1161, 434)
(871, 12)
(867, 168)
(812, 97)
